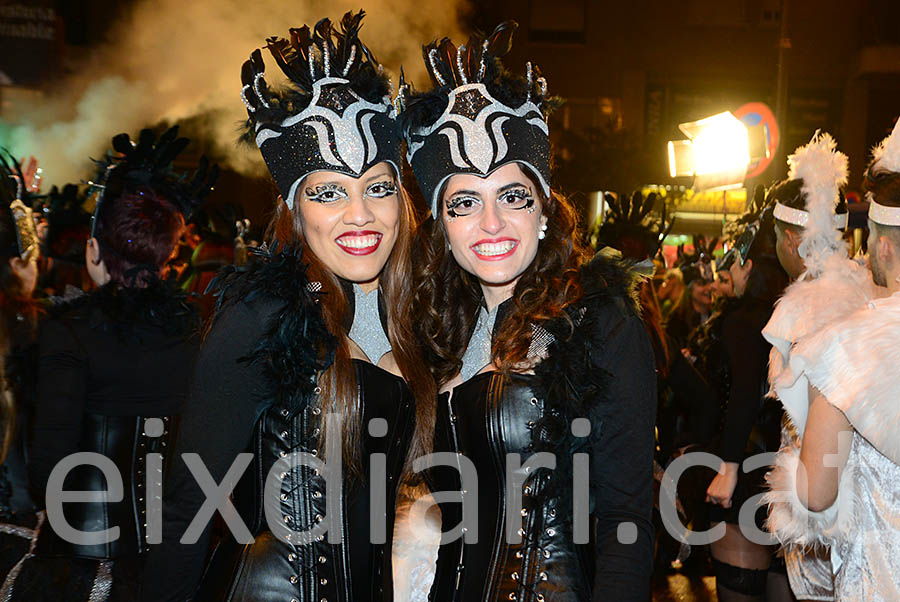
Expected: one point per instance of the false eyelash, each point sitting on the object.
(389, 187)
(314, 195)
(520, 193)
(454, 203)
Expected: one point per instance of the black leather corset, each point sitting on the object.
(486, 418)
(279, 567)
(123, 440)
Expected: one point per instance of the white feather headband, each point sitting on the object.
(823, 170)
(886, 154)
(885, 157)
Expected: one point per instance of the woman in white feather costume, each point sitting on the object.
(827, 285)
(841, 485)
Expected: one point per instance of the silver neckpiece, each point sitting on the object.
(367, 331)
(478, 353)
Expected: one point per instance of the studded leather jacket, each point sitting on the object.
(527, 551)
(278, 567)
(240, 405)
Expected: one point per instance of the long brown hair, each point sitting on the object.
(338, 382)
(449, 297)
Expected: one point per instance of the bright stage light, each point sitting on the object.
(716, 153)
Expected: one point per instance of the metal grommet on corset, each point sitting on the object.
(294, 579)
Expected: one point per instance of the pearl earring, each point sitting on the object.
(449, 247)
(543, 232)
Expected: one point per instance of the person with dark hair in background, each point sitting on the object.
(113, 375)
(310, 355)
(732, 354)
(535, 346)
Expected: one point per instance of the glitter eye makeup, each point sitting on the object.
(379, 190)
(516, 198)
(326, 193)
(462, 205)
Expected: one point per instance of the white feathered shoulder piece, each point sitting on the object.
(886, 154)
(853, 362)
(823, 170)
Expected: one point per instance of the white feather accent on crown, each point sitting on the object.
(886, 154)
(823, 170)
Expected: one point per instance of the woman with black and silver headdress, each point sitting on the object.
(310, 357)
(535, 346)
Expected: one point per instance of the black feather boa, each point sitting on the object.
(297, 344)
(127, 311)
(568, 379)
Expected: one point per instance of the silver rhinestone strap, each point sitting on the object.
(349, 60)
(528, 78)
(256, 79)
(326, 58)
(481, 69)
(312, 63)
(459, 63)
(246, 102)
(434, 69)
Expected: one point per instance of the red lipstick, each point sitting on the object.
(494, 249)
(359, 242)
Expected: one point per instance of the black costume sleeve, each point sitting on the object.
(748, 355)
(622, 440)
(701, 403)
(62, 386)
(226, 399)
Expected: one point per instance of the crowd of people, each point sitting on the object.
(481, 402)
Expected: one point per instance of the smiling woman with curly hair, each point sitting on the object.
(535, 346)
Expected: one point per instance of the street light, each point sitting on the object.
(716, 153)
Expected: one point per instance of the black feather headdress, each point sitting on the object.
(477, 117)
(68, 223)
(335, 113)
(16, 200)
(147, 162)
(630, 228)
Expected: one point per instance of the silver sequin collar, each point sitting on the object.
(478, 353)
(367, 330)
